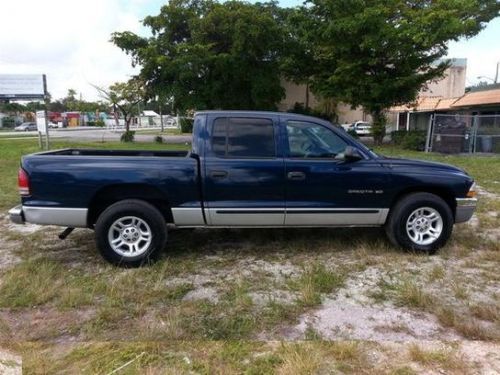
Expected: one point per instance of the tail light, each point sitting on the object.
(23, 183)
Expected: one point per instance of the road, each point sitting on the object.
(96, 134)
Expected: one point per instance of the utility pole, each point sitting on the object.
(496, 74)
(47, 102)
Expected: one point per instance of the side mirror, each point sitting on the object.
(352, 154)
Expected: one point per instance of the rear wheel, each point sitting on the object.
(421, 222)
(131, 233)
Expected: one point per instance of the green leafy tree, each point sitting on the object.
(297, 62)
(125, 97)
(380, 53)
(70, 102)
(209, 55)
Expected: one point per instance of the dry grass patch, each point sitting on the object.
(322, 357)
(410, 294)
(465, 325)
(202, 357)
(444, 358)
(315, 280)
(437, 272)
(489, 312)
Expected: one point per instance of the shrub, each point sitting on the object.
(100, 123)
(409, 140)
(158, 139)
(187, 125)
(128, 136)
(9, 122)
(397, 136)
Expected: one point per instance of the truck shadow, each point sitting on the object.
(275, 240)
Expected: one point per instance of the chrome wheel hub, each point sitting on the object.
(130, 236)
(424, 225)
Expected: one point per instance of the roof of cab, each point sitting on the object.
(286, 115)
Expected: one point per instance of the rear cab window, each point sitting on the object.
(236, 137)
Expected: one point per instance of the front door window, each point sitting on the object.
(309, 140)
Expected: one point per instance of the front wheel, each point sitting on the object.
(421, 222)
(131, 233)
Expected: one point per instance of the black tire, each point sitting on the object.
(146, 213)
(396, 225)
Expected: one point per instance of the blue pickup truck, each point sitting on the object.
(245, 169)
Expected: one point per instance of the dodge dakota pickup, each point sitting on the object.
(245, 169)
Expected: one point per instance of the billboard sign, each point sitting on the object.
(22, 86)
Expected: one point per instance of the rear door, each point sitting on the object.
(243, 171)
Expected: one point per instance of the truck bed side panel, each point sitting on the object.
(73, 181)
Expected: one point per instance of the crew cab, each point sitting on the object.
(245, 169)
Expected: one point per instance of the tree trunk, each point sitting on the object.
(127, 123)
(307, 95)
(378, 128)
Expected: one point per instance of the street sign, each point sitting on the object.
(41, 124)
(22, 86)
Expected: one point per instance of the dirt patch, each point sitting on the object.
(209, 283)
(483, 355)
(47, 324)
(276, 296)
(336, 320)
(19, 228)
(485, 193)
(350, 314)
(202, 293)
(10, 364)
(7, 256)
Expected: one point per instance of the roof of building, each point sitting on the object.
(475, 98)
(445, 104)
(469, 99)
(423, 104)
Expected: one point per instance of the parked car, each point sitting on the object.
(245, 169)
(362, 128)
(26, 126)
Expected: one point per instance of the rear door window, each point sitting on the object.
(243, 138)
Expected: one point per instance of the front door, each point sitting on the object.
(244, 177)
(324, 189)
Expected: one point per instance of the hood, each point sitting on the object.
(416, 166)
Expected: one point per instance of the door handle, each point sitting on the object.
(218, 174)
(296, 176)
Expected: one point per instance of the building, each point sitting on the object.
(452, 85)
(483, 101)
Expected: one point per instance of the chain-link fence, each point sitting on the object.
(454, 134)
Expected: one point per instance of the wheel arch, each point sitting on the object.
(446, 194)
(111, 194)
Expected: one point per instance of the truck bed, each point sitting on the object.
(74, 177)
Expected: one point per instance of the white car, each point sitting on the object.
(362, 128)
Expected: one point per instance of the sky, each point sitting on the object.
(68, 40)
